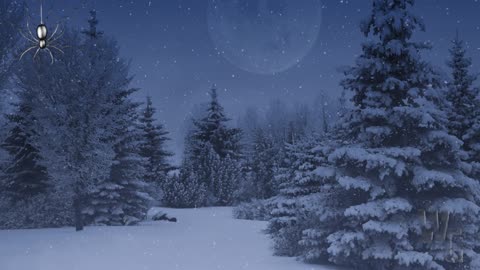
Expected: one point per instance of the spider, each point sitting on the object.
(42, 41)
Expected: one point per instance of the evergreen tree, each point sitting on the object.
(210, 149)
(84, 121)
(121, 198)
(92, 31)
(153, 149)
(74, 114)
(300, 223)
(213, 129)
(226, 179)
(464, 115)
(24, 177)
(184, 190)
(398, 161)
(11, 17)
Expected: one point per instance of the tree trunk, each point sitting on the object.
(77, 206)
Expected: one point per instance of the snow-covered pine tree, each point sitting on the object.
(318, 204)
(301, 221)
(11, 17)
(213, 128)
(184, 190)
(464, 114)
(121, 198)
(402, 166)
(82, 103)
(74, 114)
(92, 32)
(153, 149)
(226, 178)
(211, 144)
(24, 177)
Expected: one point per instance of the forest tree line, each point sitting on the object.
(78, 150)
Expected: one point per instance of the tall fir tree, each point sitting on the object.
(11, 17)
(24, 176)
(211, 148)
(213, 129)
(92, 32)
(398, 164)
(74, 114)
(464, 114)
(153, 148)
(86, 125)
(121, 198)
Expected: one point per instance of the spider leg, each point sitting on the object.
(56, 48)
(54, 32)
(51, 54)
(30, 31)
(27, 50)
(25, 36)
(36, 53)
(58, 36)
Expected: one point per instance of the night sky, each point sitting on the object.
(175, 60)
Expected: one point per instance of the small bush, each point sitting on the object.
(184, 191)
(42, 211)
(254, 210)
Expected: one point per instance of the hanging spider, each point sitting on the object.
(42, 41)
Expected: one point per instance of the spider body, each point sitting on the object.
(42, 31)
(42, 44)
(42, 41)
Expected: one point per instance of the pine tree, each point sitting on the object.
(211, 148)
(184, 190)
(300, 223)
(74, 114)
(214, 130)
(11, 17)
(398, 163)
(226, 179)
(153, 149)
(464, 115)
(24, 176)
(86, 127)
(121, 198)
(93, 32)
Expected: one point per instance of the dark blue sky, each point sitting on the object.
(175, 61)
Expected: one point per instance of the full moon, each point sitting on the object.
(264, 36)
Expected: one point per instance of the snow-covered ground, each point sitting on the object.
(202, 239)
